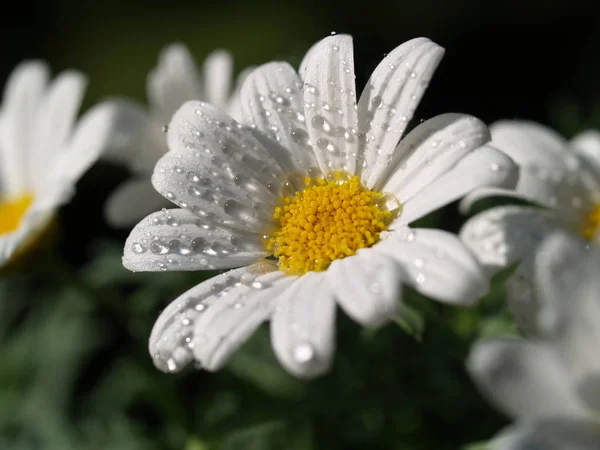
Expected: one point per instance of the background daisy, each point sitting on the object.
(140, 140)
(43, 149)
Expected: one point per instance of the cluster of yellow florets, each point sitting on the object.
(12, 211)
(591, 223)
(327, 220)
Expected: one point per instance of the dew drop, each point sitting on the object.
(304, 353)
(136, 247)
(159, 248)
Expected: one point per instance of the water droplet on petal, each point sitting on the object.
(136, 247)
(304, 353)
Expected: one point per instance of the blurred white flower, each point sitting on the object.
(562, 178)
(43, 153)
(550, 385)
(321, 184)
(141, 138)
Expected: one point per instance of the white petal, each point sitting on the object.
(367, 286)
(587, 146)
(90, 138)
(176, 239)
(522, 297)
(556, 433)
(218, 170)
(22, 98)
(218, 69)
(479, 194)
(272, 102)
(57, 114)
(303, 326)
(234, 105)
(437, 264)
(173, 81)
(550, 174)
(566, 277)
(229, 322)
(172, 338)
(483, 167)
(131, 202)
(389, 100)
(504, 235)
(330, 104)
(429, 151)
(524, 379)
(137, 141)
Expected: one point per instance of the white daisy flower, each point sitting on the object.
(550, 385)
(142, 141)
(321, 185)
(43, 153)
(562, 177)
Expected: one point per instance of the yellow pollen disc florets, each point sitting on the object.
(12, 211)
(591, 224)
(327, 220)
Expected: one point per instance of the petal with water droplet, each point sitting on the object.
(235, 316)
(176, 239)
(504, 235)
(172, 341)
(272, 101)
(483, 167)
(367, 286)
(389, 100)
(429, 151)
(550, 173)
(303, 326)
(438, 265)
(330, 103)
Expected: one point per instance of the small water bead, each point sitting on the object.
(377, 102)
(136, 247)
(159, 248)
(311, 89)
(216, 288)
(192, 190)
(420, 278)
(299, 136)
(165, 128)
(170, 195)
(304, 353)
(413, 75)
(320, 123)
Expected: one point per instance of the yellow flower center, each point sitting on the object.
(591, 224)
(12, 211)
(328, 220)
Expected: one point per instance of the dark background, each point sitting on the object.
(75, 373)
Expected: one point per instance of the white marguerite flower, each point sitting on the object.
(43, 152)
(141, 139)
(562, 177)
(321, 184)
(550, 384)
